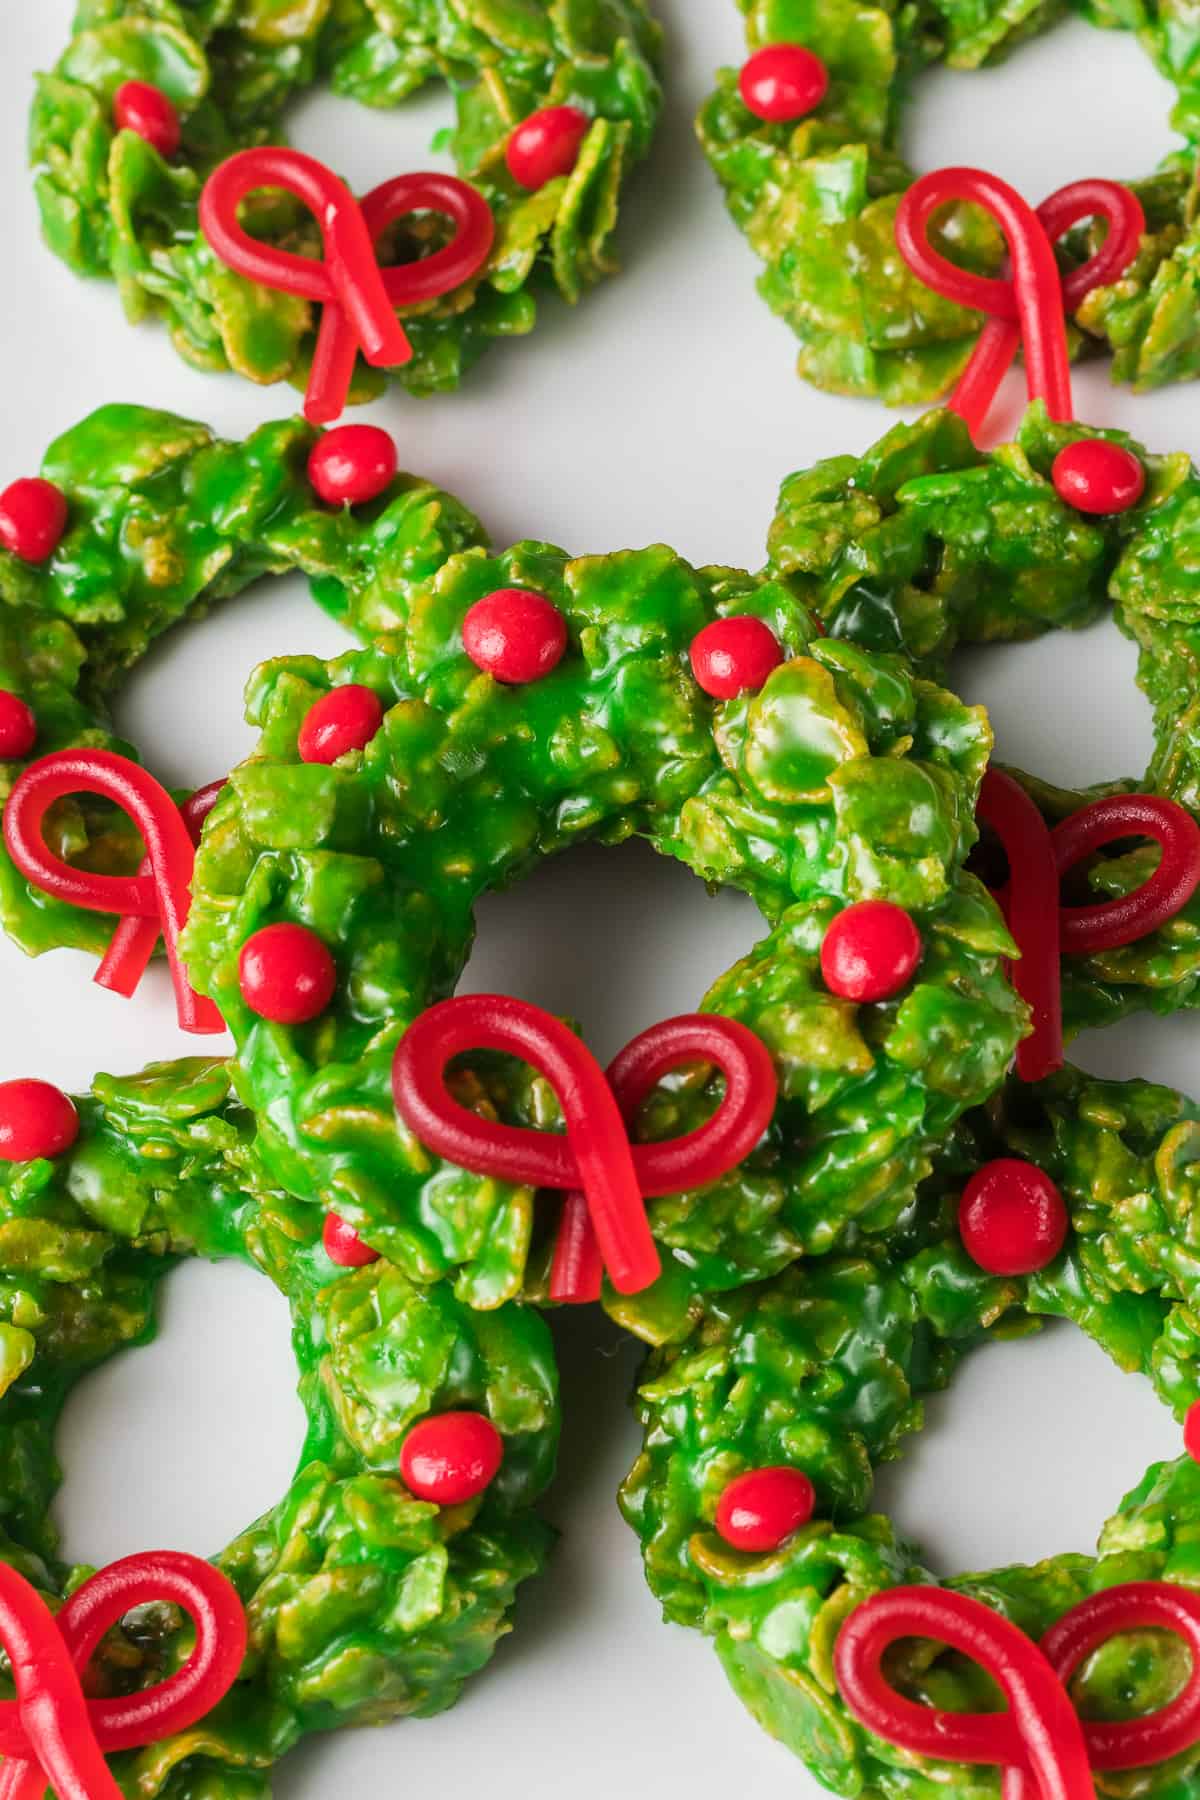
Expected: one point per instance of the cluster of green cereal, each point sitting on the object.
(817, 199)
(827, 1368)
(362, 1602)
(111, 205)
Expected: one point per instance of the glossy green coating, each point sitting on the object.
(925, 543)
(827, 1368)
(111, 206)
(817, 199)
(842, 778)
(363, 1603)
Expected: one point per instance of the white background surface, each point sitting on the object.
(664, 408)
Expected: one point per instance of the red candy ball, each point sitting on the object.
(546, 144)
(515, 635)
(36, 1119)
(734, 656)
(1012, 1218)
(451, 1457)
(1095, 476)
(343, 1245)
(33, 518)
(18, 727)
(783, 82)
(346, 718)
(870, 951)
(353, 464)
(1191, 1431)
(137, 106)
(761, 1509)
(286, 974)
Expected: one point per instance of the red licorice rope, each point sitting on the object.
(1029, 306)
(595, 1155)
(1045, 930)
(135, 940)
(163, 895)
(50, 1734)
(1040, 1743)
(692, 1161)
(358, 296)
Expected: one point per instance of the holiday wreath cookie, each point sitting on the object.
(763, 1431)
(384, 1576)
(553, 106)
(806, 142)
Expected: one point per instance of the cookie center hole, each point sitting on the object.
(1028, 121)
(181, 1445)
(615, 939)
(1027, 1454)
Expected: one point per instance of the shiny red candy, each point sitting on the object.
(353, 464)
(870, 951)
(452, 1457)
(137, 106)
(36, 1119)
(286, 974)
(782, 82)
(343, 1245)
(546, 144)
(33, 519)
(514, 634)
(345, 719)
(1191, 1431)
(1095, 476)
(734, 656)
(18, 727)
(1012, 1218)
(761, 1509)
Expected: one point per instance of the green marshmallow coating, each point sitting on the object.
(827, 1367)
(112, 206)
(363, 1603)
(817, 198)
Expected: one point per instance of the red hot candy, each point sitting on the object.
(451, 1458)
(870, 951)
(782, 82)
(734, 656)
(343, 1245)
(286, 974)
(545, 145)
(760, 1510)
(1191, 1431)
(36, 1119)
(345, 719)
(137, 106)
(1012, 1218)
(353, 464)
(51, 1734)
(18, 727)
(161, 893)
(33, 519)
(1095, 476)
(516, 635)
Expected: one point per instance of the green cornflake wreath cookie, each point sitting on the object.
(817, 198)
(112, 205)
(363, 1602)
(826, 1367)
(843, 778)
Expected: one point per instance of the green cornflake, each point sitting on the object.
(827, 1368)
(111, 206)
(817, 199)
(363, 1603)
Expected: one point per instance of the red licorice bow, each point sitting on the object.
(50, 1734)
(1040, 1743)
(595, 1155)
(1029, 306)
(162, 895)
(1044, 931)
(358, 296)
(135, 940)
